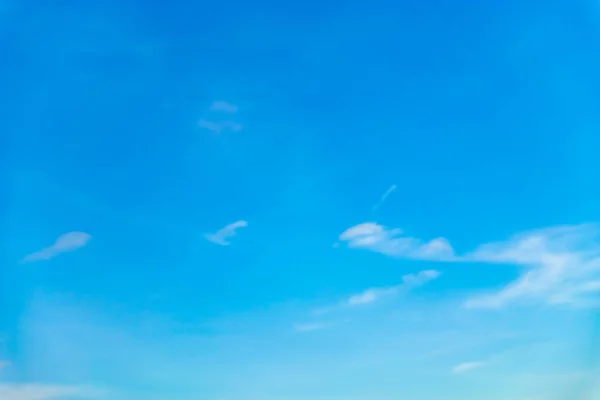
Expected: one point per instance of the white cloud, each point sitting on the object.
(220, 237)
(223, 106)
(65, 243)
(384, 197)
(560, 265)
(37, 391)
(468, 366)
(409, 281)
(220, 126)
(381, 239)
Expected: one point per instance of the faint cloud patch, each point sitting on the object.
(468, 366)
(384, 197)
(65, 243)
(38, 391)
(408, 282)
(4, 364)
(220, 237)
(381, 239)
(311, 327)
(220, 126)
(223, 106)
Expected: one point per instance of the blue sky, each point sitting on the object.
(300, 200)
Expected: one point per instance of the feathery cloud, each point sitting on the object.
(384, 197)
(381, 239)
(409, 281)
(468, 366)
(561, 265)
(223, 106)
(220, 237)
(65, 243)
(219, 127)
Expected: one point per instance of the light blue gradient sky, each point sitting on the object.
(293, 201)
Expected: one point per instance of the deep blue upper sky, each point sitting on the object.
(147, 128)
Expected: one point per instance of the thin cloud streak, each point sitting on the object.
(409, 281)
(467, 366)
(383, 198)
(65, 243)
(220, 237)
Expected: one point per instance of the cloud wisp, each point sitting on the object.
(220, 237)
(4, 364)
(468, 366)
(390, 242)
(220, 126)
(65, 243)
(409, 281)
(383, 198)
(223, 106)
(559, 265)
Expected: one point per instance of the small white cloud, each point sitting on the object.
(223, 106)
(219, 127)
(378, 238)
(384, 197)
(66, 243)
(38, 391)
(468, 366)
(369, 296)
(220, 237)
(409, 281)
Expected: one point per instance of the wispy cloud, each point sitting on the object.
(312, 326)
(383, 198)
(381, 239)
(4, 363)
(468, 366)
(561, 265)
(65, 243)
(220, 237)
(409, 281)
(223, 106)
(38, 391)
(219, 126)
